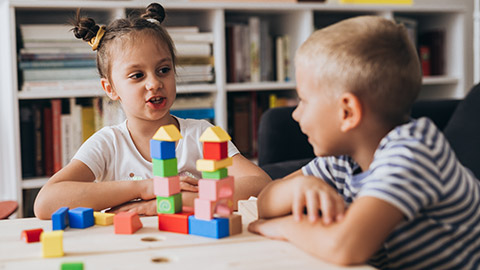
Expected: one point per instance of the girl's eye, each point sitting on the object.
(164, 70)
(136, 76)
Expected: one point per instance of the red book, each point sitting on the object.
(48, 141)
(57, 134)
(425, 60)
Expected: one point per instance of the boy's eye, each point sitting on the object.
(136, 75)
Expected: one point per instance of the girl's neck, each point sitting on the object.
(140, 128)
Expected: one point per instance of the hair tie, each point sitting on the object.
(96, 40)
(152, 20)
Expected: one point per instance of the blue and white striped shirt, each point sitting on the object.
(415, 170)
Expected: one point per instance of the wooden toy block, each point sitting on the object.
(169, 205)
(167, 133)
(215, 150)
(235, 224)
(60, 219)
(214, 134)
(81, 217)
(162, 149)
(215, 228)
(31, 236)
(224, 207)
(103, 219)
(174, 222)
(213, 165)
(218, 174)
(204, 209)
(213, 190)
(72, 266)
(166, 186)
(52, 244)
(127, 223)
(165, 167)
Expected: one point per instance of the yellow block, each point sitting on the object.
(103, 218)
(52, 244)
(208, 165)
(168, 133)
(378, 2)
(214, 134)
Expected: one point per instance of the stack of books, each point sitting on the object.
(51, 58)
(194, 54)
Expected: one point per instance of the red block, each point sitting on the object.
(174, 222)
(127, 223)
(215, 150)
(31, 236)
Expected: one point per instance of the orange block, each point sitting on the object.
(32, 235)
(127, 223)
(174, 222)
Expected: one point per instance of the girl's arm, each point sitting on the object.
(73, 186)
(249, 178)
(366, 225)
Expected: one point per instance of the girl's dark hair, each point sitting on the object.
(86, 29)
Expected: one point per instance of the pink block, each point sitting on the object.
(213, 190)
(204, 209)
(224, 207)
(166, 186)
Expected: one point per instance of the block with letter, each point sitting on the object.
(52, 244)
(174, 222)
(103, 219)
(169, 205)
(166, 186)
(31, 236)
(60, 219)
(81, 217)
(214, 228)
(127, 223)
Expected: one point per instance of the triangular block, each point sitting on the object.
(214, 134)
(127, 223)
(167, 133)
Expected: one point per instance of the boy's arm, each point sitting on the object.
(366, 225)
(73, 186)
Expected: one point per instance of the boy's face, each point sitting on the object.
(317, 113)
(143, 78)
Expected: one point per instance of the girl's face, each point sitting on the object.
(142, 78)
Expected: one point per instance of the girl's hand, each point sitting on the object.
(315, 195)
(188, 183)
(269, 228)
(146, 208)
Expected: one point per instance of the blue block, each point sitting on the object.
(81, 218)
(60, 219)
(162, 149)
(215, 228)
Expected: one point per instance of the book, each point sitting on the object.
(52, 74)
(57, 50)
(266, 52)
(76, 118)
(204, 37)
(187, 70)
(56, 56)
(88, 122)
(199, 113)
(46, 32)
(378, 2)
(254, 52)
(424, 52)
(62, 85)
(193, 49)
(279, 57)
(38, 121)
(48, 140)
(193, 102)
(434, 40)
(172, 30)
(195, 78)
(57, 134)
(195, 60)
(58, 64)
(27, 139)
(67, 138)
(241, 135)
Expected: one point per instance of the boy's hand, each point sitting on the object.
(269, 228)
(146, 208)
(315, 195)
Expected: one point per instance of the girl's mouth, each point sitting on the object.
(157, 100)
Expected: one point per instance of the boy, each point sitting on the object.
(410, 203)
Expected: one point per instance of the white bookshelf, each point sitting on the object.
(296, 20)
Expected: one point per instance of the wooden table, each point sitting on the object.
(99, 248)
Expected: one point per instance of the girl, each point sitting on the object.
(136, 63)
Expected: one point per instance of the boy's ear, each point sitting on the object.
(108, 88)
(351, 111)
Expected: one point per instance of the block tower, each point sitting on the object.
(216, 188)
(166, 180)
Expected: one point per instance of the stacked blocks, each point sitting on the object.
(166, 182)
(127, 223)
(216, 188)
(52, 244)
(31, 236)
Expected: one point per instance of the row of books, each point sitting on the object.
(253, 54)
(244, 116)
(51, 131)
(52, 58)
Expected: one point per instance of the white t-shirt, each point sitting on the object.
(111, 154)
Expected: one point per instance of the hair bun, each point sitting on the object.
(85, 28)
(155, 11)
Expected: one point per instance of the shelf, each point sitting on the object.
(31, 183)
(439, 80)
(260, 86)
(59, 94)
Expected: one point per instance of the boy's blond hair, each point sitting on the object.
(372, 58)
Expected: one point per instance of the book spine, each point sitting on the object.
(27, 139)
(38, 115)
(57, 134)
(48, 140)
(59, 74)
(254, 29)
(57, 64)
(279, 56)
(66, 126)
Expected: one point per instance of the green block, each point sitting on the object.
(165, 167)
(218, 174)
(72, 266)
(169, 205)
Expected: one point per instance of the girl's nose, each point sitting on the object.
(154, 84)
